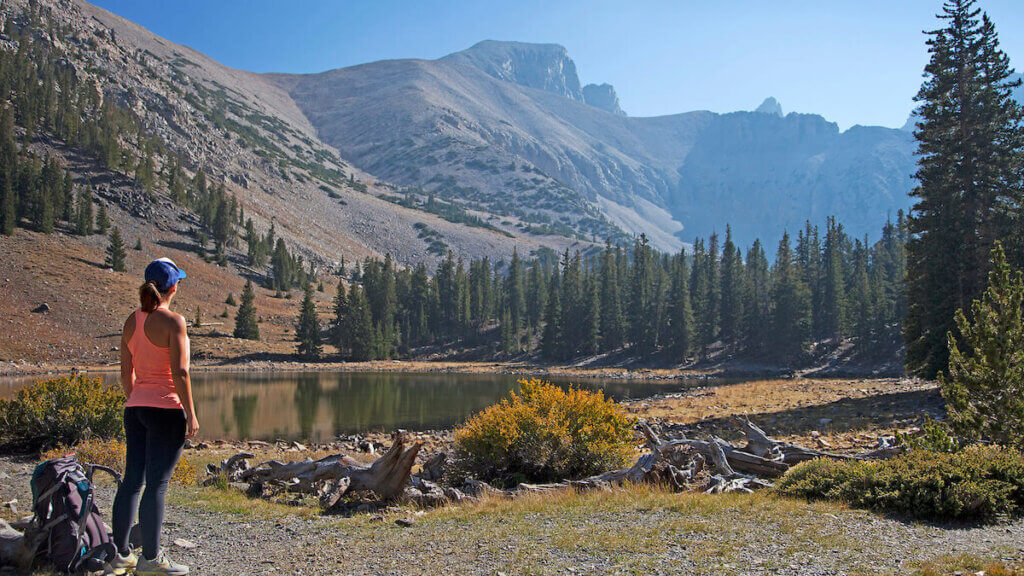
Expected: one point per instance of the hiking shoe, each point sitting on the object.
(121, 564)
(160, 566)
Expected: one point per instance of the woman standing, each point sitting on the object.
(158, 417)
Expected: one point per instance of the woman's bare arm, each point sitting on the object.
(180, 353)
(127, 367)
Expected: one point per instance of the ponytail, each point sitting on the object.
(149, 297)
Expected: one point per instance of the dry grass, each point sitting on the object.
(949, 565)
(856, 410)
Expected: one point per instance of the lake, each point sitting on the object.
(318, 406)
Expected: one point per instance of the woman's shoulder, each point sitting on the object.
(171, 318)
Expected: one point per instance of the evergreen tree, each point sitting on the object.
(984, 390)
(536, 290)
(732, 290)
(757, 300)
(102, 221)
(509, 341)
(246, 326)
(681, 329)
(642, 298)
(340, 313)
(8, 207)
(116, 251)
(552, 343)
(791, 316)
(861, 300)
(84, 224)
(612, 322)
(833, 299)
(969, 193)
(307, 329)
(591, 330)
(360, 335)
(516, 291)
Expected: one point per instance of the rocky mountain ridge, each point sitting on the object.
(504, 127)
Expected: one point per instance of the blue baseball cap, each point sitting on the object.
(164, 273)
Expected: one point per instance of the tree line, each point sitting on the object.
(824, 287)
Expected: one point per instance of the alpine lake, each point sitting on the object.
(318, 406)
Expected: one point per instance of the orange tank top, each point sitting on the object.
(152, 383)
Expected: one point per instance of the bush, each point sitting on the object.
(111, 453)
(545, 433)
(977, 483)
(60, 411)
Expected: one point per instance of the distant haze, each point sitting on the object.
(853, 63)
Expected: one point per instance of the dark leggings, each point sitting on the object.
(154, 438)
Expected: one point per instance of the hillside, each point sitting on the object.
(247, 136)
(506, 127)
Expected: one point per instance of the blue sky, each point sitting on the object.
(853, 62)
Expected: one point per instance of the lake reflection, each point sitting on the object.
(318, 406)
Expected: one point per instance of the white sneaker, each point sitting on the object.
(159, 566)
(119, 565)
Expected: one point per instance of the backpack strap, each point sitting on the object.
(83, 517)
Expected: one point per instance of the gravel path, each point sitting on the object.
(621, 532)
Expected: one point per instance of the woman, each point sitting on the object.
(158, 417)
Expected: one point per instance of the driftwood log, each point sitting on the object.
(18, 547)
(330, 477)
(712, 466)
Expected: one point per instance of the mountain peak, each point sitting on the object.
(542, 66)
(602, 96)
(770, 106)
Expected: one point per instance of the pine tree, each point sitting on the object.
(552, 343)
(102, 221)
(84, 224)
(246, 326)
(509, 341)
(984, 390)
(360, 335)
(680, 312)
(732, 290)
(338, 336)
(642, 298)
(307, 329)
(833, 299)
(8, 207)
(591, 330)
(116, 251)
(516, 293)
(791, 315)
(612, 322)
(969, 193)
(757, 300)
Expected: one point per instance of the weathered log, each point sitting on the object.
(386, 477)
(758, 441)
(738, 460)
(18, 549)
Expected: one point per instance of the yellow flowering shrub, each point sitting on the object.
(60, 411)
(546, 433)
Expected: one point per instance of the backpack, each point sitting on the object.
(66, 513)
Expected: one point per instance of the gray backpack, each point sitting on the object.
(66, 512)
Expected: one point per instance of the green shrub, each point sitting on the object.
(61, 411)
(977, 483)
(933, 437)
(546, 433)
